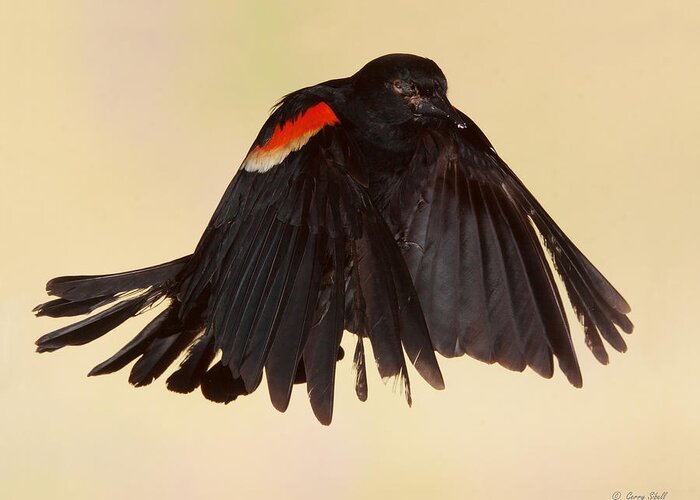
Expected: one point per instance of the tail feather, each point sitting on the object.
(360, 370)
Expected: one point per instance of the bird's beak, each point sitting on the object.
(439, 107)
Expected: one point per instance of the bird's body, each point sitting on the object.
(368, 204)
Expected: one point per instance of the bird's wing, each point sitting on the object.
(468, 229)
(294, 239)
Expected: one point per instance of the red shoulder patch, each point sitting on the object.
(288, 137)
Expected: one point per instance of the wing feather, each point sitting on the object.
(324, 339)
(467, 228)
(191, 371)
(289, 246)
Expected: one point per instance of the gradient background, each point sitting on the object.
(121, 124)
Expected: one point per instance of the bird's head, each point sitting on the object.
(402, 88)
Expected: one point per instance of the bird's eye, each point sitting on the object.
(404, 88)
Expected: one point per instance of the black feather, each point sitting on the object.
(268, 318)
(321, 349)
(189, 375)
(160, 354)
(462, 220)
(530, 329)
(251, 296)
(286, 349)
(137, 346)
(360, 370)
(64, 307)
(375, 289)
(498, 298)
(77, 288)
(93, 327)
(218, 384)
(412, 328)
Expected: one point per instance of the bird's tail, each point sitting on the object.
(133, 292)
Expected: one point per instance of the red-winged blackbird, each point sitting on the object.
(369, 204)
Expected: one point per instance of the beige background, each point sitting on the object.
(122, 122)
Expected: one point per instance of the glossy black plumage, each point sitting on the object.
(369, 204)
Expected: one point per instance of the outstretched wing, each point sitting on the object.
(468, 229)
(295, 252)
(295, 236)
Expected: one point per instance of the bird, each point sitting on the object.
(367, 204)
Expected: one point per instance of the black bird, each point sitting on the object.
(368, 204)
